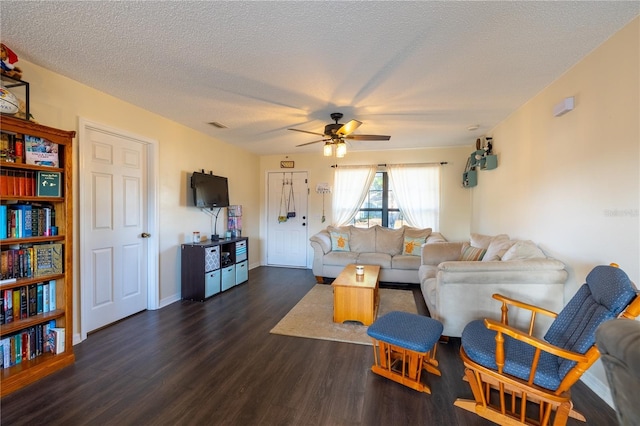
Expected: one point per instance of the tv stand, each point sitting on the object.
(213, 266)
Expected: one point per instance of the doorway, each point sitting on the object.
(118, 229)
(287, 219)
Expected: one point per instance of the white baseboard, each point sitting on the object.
(169, 300)
(596, 385)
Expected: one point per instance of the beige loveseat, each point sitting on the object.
(397, 251)
(458, 291)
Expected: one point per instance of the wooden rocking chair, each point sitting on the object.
(517, 378)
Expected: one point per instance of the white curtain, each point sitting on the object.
(417, 191)
(350, 187)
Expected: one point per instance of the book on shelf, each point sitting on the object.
(52, 295)
(48, 259)
(48, 184)
(40, 151)
(8, 306)
(58, 340)
(46, 306)
(17, 182)
(3, 222)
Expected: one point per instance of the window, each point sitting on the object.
(379, 206)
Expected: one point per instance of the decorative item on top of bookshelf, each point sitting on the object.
(48, 184)
(48, 259)
(40, 151)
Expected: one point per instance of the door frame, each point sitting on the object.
(153, 249)
(266, 218)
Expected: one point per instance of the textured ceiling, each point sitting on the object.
(422, 72)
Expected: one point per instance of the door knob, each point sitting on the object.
(145, 235)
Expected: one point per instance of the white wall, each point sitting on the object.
(455, 200)
(59, 102)
(572, 183)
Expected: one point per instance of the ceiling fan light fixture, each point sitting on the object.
(341, 149)
(327, 150)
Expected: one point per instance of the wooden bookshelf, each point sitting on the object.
(33, 368)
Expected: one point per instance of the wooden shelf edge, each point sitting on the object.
(21, 282)
(21, 324)
(23, 374)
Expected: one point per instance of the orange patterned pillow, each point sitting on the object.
(412, 246)
(339, 241)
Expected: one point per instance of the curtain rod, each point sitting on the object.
(442, 163)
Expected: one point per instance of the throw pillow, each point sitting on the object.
(339, 241)
(411, 246)
(471, 253)
(523, 250)
(498, 247)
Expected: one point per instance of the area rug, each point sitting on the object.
(312, 317)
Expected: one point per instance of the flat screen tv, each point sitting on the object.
(209, 190)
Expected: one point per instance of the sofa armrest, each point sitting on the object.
(527, 265)
(323, 241)
(436, 253)
(530, 271)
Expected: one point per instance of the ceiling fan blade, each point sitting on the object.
(368, 137)
(349, 127)
(309, 143)
(306, 131)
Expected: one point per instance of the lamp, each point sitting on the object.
(341, 149)
(328, 149)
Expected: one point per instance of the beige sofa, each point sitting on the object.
(459, 291)
(397, 251)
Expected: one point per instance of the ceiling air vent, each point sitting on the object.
(218, 125)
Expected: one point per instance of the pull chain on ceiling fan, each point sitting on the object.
(336, 134)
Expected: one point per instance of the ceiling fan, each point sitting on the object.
(336, 132)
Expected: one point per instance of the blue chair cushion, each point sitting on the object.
(410, 331)
(607, 291)
(480, 345)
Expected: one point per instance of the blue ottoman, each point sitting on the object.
(403, 345)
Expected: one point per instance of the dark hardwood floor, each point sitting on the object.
(215, 363)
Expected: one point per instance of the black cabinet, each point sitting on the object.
(211, 267)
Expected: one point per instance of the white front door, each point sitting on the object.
(114, 232)
(287, 240)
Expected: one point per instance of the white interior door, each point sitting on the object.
(287, 240)
(114, 203)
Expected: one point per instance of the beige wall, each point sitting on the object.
(572, 183)
(455, 200)
(59, 102)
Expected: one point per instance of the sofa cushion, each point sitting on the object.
(523, 250)
(497, 247)
(436, 237)
(405, 262)
(480, 240)
(471, 253)
(411, 246)
(363, 239)
(417, 232)
(340, 258)
(339, 241)
(381, 259)
(388, 240)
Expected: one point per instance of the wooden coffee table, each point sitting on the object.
(355, 298)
